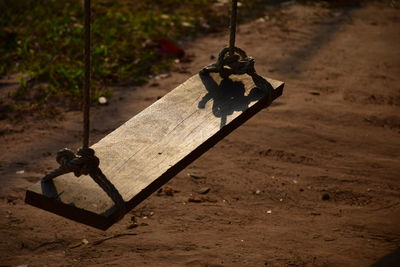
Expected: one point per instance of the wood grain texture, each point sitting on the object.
(152, 147)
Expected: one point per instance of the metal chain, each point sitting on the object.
(86, 89)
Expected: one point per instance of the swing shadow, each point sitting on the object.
(227, 97)
(50, 191)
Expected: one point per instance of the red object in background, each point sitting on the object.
(166, 47)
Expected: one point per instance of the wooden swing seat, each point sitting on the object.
(148, 150)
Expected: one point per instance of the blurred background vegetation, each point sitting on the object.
(41, 41)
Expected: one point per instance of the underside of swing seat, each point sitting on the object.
(151, 148)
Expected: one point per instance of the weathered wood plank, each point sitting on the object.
(152, 147)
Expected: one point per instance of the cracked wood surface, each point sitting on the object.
(151, 148)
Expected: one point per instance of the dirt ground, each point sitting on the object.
(311, 181)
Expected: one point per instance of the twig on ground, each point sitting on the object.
(98, 242)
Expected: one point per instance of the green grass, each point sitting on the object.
(43, 41)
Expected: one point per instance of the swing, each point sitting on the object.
(152, 147)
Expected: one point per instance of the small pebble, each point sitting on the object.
(326, 196)
(162, 76)
(261, 20)
(203, 190)
(313, 92)
(102, 100)
(186, 24)
(195, 176)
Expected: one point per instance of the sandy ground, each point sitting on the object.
(311, 181)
